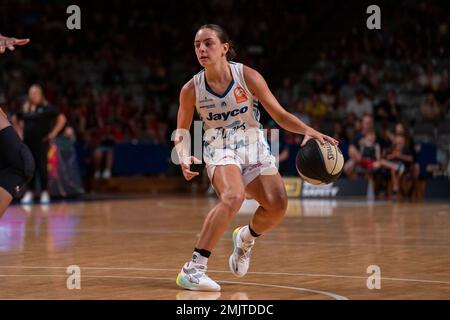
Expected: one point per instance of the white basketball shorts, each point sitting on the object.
(252, 160)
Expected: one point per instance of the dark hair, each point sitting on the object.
(223, 37)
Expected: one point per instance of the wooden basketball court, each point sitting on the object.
(133, 249)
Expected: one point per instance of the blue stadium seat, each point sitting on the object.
(145, 159)
(425, 156)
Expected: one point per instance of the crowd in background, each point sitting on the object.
(117, 79)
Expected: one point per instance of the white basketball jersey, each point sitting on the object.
(228, 116)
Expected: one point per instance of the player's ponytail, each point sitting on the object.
(223, 37)
(231, 53)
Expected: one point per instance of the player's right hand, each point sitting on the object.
(186, 167)
(314, 134)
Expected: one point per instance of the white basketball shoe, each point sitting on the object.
(240, 258)
(193, 277)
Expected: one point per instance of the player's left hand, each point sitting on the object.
(9, 43)
(314, 134)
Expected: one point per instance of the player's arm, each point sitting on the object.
(405, 157)
(9, 43)
(259, 88)
(184, 121)
(61, 121)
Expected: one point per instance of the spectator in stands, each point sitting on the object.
(348, 90)
(359, 105)
(443, 94)
(315, 107)
(300, 112)
(369, 76)
(370, 151)
(354, 150)
(40, 123)
(388, 111)
(352, 126)
(284, 94)
(429, 79)
(113, 75)
(104, 151)
(384, 137)
(338, 132)
(398, 159)
(430, 109)
(154, 127)
(328, 96)
(340, 110)
(157, 82)
(402, 128)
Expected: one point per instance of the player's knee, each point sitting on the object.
(233, 200)
(277, 204)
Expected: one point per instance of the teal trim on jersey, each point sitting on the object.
(256, 113)
(208, 88)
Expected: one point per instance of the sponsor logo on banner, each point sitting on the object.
(293, 187)
(310, 190)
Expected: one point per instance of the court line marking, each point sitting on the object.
(329, 294)
(326, 293)
(227, 271)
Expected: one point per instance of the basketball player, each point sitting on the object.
(225, 95)
(16, 161)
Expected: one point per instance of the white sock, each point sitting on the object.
(197, 258)
(246, 235)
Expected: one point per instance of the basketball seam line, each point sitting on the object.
(335, 163)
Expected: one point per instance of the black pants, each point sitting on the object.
(39, 150)
(16, 162)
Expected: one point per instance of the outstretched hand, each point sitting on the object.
(9, 43)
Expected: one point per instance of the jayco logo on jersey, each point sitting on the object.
(225, 115)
